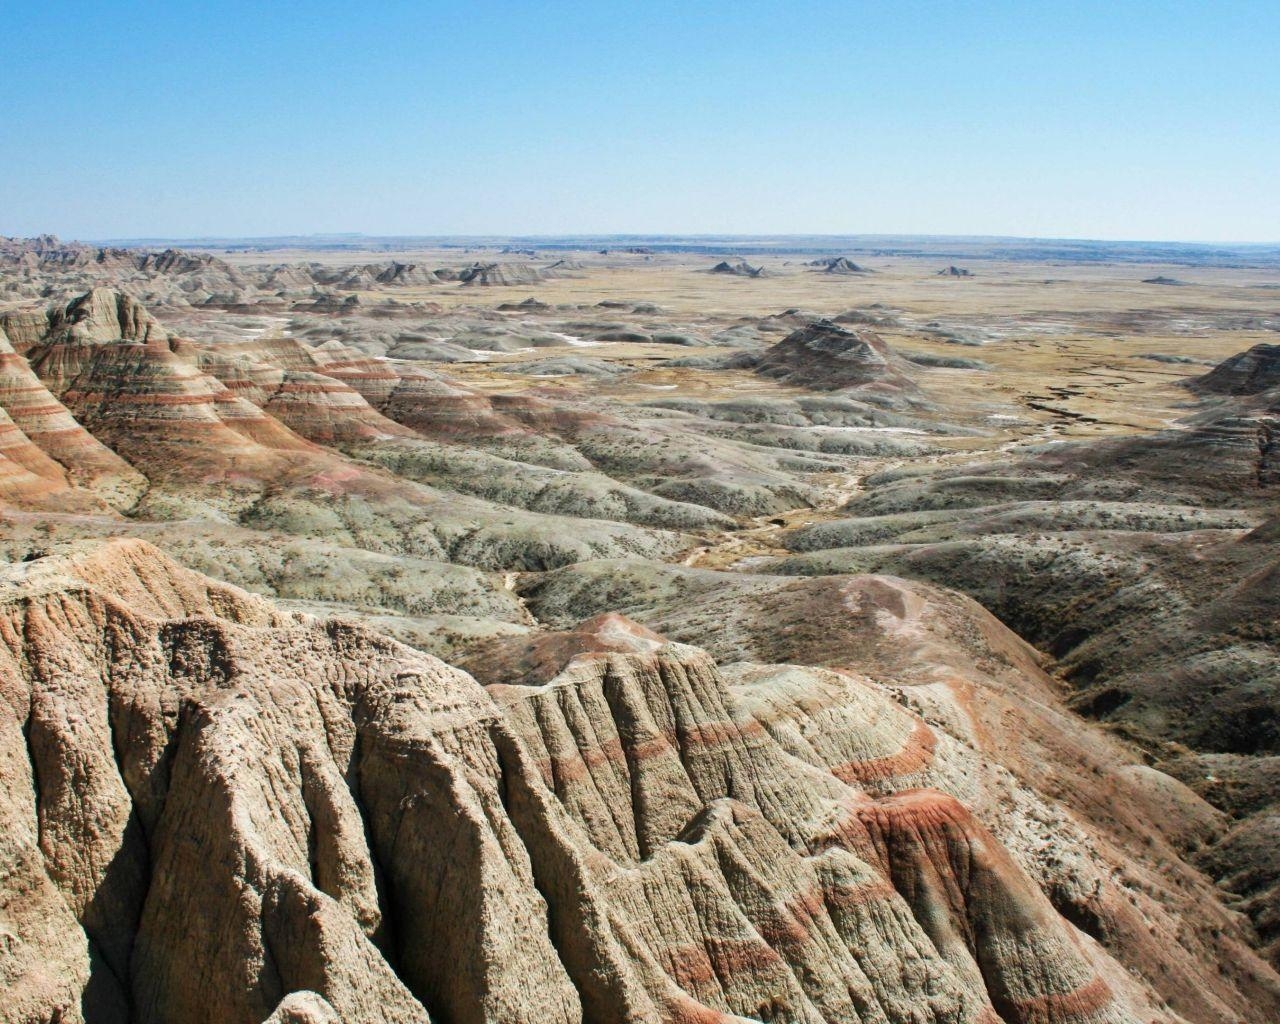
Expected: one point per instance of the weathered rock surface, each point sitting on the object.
(1248, 373)
(260, 443)
(857, 798)
(1147, 565)
(329, 823)
(826, 357)
(976, 685)
(82, 459)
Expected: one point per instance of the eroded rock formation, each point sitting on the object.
(849, 798)
(215, 811)
(826, 357)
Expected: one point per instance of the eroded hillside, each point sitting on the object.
(384, 643)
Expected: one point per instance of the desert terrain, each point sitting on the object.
(639, 629)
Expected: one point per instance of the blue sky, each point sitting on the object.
(1105, 120)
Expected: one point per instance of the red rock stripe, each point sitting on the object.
(1056, 1007)
(707, 737)
(916, 755)
(691, 966)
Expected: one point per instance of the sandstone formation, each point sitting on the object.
(1249, 373)
(367, 658)
(739, 269)
(361, 831)
(826, 357)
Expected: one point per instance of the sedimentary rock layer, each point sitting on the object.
(327, 822)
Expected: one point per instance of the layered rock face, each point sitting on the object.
(48, 454)
(49, 425)
(1148, 565)
(215, 811)
(1104, 836)
(858, 799)
(411, 274)
(1248, 373)
(826, 357)
(324, 441)
(155, 424)
(499, 274)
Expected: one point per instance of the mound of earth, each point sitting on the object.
(824, 356)
(567, 366)
(838, 265)
(1175, 360)
(325, 302)
(499, 275)
(529, 305)
(408, 274)
(739, 269)
(1246, 373)
(944, 362)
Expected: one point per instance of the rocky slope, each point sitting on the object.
(1249, 373)
(633, 789)
(824, 356)
(595, 825)
(218, 450)
(1148, 566)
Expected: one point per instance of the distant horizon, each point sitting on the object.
(641, 236)
(862, 247)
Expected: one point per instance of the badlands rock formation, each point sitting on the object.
(1149, 566)
(594, 827)
(362, 663)
(505, 274)
(839, 265)
(1249, 373)
(824, 356)
(740, 268)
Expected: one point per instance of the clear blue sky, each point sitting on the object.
(1107, 120)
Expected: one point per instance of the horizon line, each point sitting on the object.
(673, 235)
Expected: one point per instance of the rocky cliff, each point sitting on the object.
(215, 811)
